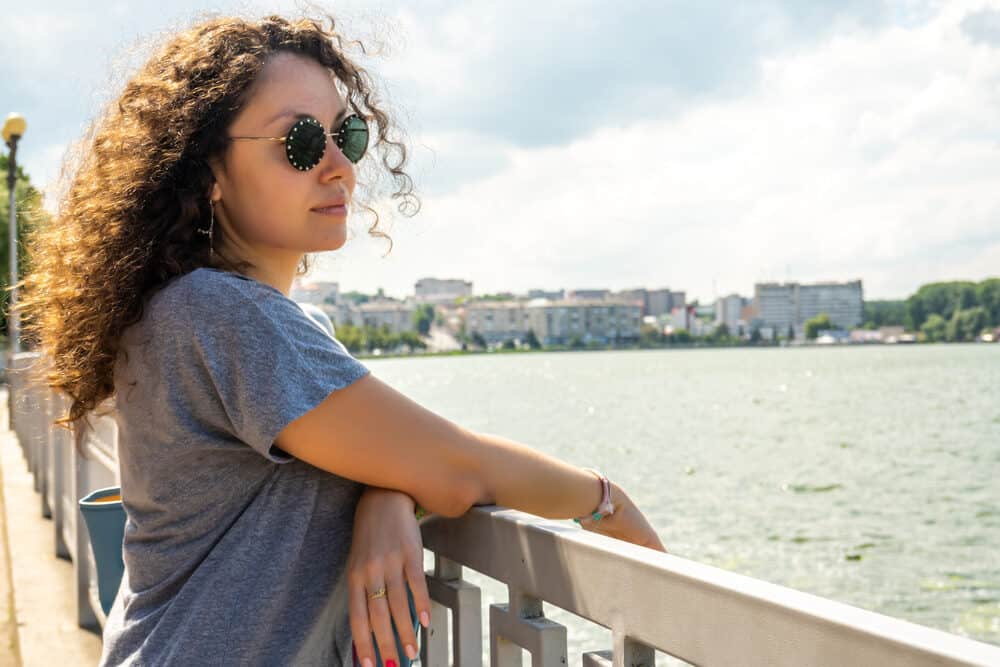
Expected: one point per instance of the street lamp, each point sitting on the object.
(13, 129)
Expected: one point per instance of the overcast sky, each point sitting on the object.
(701, 146)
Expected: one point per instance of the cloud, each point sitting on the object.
(872, 154)
(983, 26)
(687, 145)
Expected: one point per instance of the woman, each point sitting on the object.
(270, 480)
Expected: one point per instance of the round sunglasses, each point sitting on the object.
(305, 142)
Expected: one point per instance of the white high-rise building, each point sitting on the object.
(556, 322)
(781, 306)
(435, 290)
(727, 311)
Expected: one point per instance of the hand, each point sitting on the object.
(627, 523)
(386, 550)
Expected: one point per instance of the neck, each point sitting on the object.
(278, 275)
(274, 268)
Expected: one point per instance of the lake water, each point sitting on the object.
(862, 474)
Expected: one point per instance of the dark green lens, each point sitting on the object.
(305, 144)
(352, 138)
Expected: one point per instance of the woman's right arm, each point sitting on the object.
(371, 433)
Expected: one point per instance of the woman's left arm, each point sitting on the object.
(386, 550)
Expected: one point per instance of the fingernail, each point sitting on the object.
(390, 663)
(367, 662)
(411, 652)
(425, 619)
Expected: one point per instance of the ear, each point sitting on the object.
(214, 166)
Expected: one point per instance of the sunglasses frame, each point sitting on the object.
(309, 120)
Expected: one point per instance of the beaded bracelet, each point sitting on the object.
(606, 507)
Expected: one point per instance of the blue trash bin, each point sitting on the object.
(105, 518)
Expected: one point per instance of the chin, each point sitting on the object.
(335, 243)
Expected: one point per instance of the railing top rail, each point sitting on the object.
(696, 612)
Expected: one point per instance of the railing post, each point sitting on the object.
(448, 590)
(45, 410)
(521, 624)
(62, 504)
(633, 653)
(82, 566)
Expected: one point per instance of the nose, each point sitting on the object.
(334, 163)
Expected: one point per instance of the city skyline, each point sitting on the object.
(748, 294)
(702, 148)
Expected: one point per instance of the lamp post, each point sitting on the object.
(13, 129)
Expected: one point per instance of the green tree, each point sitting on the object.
(29, 214)
(532, 340)
(576, 342)
(815, 325)
(355, 297)
(354, 338)
(934, 329)
(682, 336)
(499, 296)
(650, 336)
(966, 325)
(423, 316)
(942, 298)
(988, 296)
(413, 339)
(884, 313)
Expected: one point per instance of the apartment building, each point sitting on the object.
(556, 322)
(781, 306)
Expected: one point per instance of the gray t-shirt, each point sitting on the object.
(235, 551)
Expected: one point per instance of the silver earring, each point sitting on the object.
(211, 225)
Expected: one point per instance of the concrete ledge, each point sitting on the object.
(42, 587)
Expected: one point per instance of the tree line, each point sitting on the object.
(954, 311)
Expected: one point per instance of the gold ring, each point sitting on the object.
(380, 593)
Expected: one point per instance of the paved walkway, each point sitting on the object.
(37, 590)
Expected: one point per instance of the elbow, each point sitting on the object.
(466, 493)
(464, 477)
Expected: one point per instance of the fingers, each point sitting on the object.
(381, 623)
(400, 606)
(360, 627)
(418, 586)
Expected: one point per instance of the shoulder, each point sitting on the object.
(215, 283)
(212, 293)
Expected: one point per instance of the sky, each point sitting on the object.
(702, 146)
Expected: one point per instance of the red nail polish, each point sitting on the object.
(390, 663)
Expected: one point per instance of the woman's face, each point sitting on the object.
(265, 206)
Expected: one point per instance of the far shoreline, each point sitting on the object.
(775, 346)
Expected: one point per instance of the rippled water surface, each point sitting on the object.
(862, 474)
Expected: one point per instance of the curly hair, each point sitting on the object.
(128, 220)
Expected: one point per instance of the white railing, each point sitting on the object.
(62, 475)
(649, 600)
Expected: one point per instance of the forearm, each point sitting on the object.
(514, 475)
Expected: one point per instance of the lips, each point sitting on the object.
(330, 204)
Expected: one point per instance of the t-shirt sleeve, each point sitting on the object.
(268, 362)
